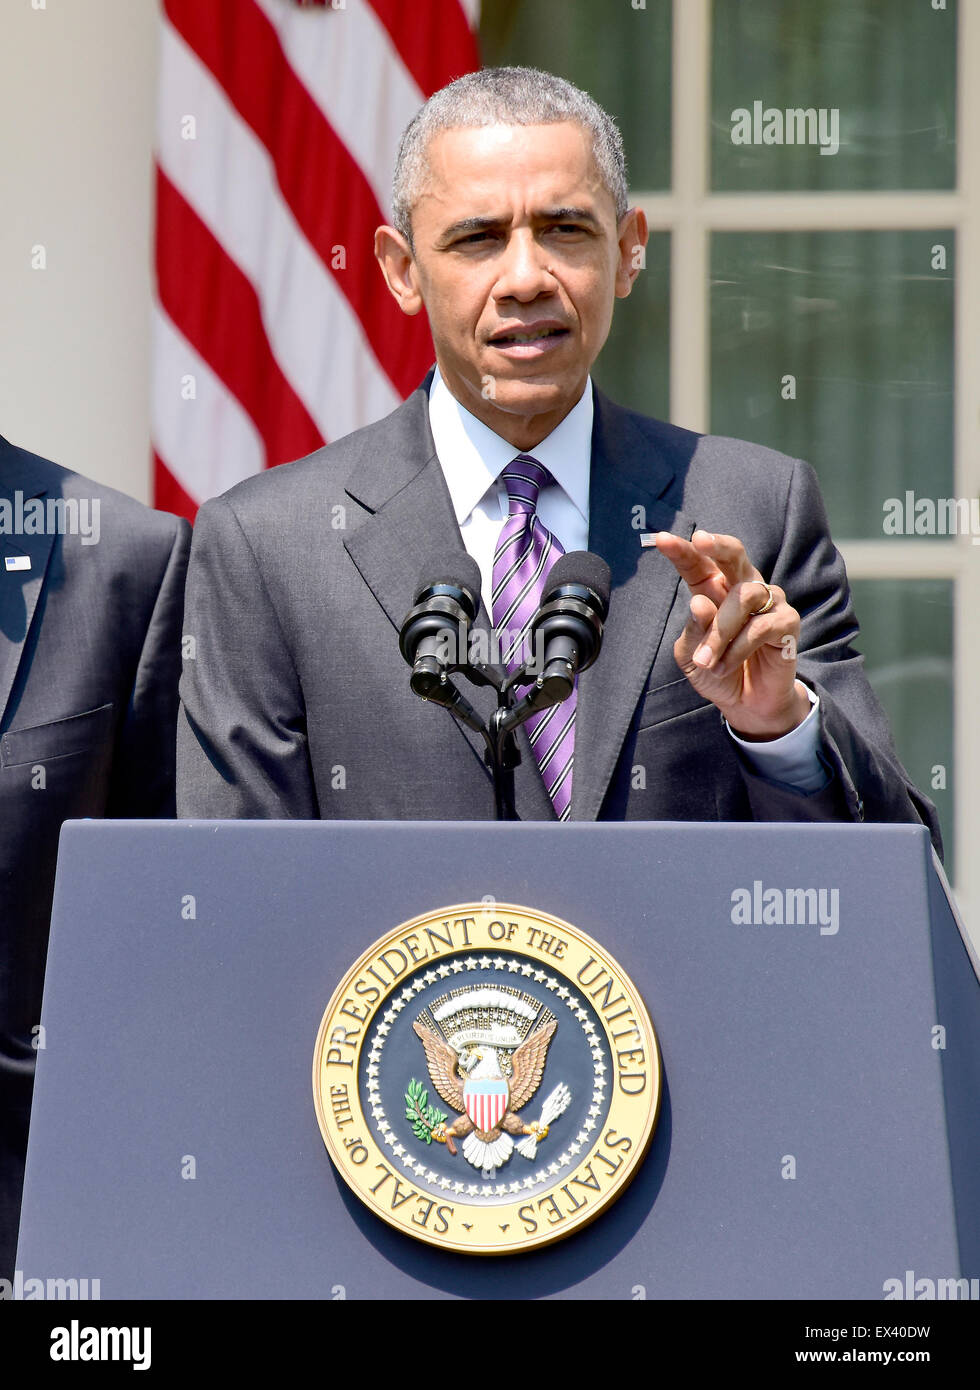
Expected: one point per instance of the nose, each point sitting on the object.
(523, 269)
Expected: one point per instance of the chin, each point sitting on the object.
(528, 397)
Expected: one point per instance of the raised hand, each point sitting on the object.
(738, 649)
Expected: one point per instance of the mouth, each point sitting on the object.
(529, 342)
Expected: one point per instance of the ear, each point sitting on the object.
(394, 255)
(633, 236)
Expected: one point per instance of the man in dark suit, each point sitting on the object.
(91, 594)
(734, 696)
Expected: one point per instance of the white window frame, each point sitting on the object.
(691, 212)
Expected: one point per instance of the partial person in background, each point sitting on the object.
(91, 597)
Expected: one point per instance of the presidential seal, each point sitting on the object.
(486, 1078)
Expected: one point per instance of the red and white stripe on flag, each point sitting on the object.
(278, 124)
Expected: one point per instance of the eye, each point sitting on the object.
(566, 230)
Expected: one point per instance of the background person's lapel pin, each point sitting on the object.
(16, 562)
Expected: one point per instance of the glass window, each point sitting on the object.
(837, 347)
(907, 641)
(634, 366)
(618, 54)
(887, 68)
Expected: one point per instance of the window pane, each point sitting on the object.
(620, 55)
(634, 366)
(907, 640)
(837, 347)
(888, 67)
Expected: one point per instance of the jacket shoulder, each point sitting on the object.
(128, 518)
(747, 459)
(702, 452)
(703, 475)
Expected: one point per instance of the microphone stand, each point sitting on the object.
(502, 753)
(572, 623)
(551, 687)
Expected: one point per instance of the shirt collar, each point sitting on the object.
(473, 457)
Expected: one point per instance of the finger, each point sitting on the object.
(699, 571)
(703, 613)
(739, 610)
(777, 640)
(777, 630)
(728, 553)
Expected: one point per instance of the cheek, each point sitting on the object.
(455, 309)
(597, 305)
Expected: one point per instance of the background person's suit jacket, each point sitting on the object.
(297, 703)
(89, 664)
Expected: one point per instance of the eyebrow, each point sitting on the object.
(571, 215)
(481, 224)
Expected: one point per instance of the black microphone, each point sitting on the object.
(567, 628)
(434, 637)
(566, 632)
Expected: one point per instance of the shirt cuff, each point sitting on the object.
(795, 757)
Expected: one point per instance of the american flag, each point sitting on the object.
(273, 331)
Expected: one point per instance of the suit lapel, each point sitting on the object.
(412, 519)
(412, 523)
(19, 588)
(628, 472)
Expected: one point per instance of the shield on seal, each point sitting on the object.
(486, 1102)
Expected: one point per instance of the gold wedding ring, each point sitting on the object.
(769, 598)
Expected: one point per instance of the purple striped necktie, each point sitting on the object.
(525, 553)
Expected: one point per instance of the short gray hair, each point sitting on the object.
(504, 96)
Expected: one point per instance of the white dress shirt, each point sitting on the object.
(472, 459)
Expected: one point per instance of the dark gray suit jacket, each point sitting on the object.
(297, 703)
(89, 664)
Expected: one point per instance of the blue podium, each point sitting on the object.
(816, 1004)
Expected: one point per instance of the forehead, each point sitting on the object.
(507, 169)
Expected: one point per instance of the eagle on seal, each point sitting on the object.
(486, 1100)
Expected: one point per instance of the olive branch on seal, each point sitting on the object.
(424, 1117)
